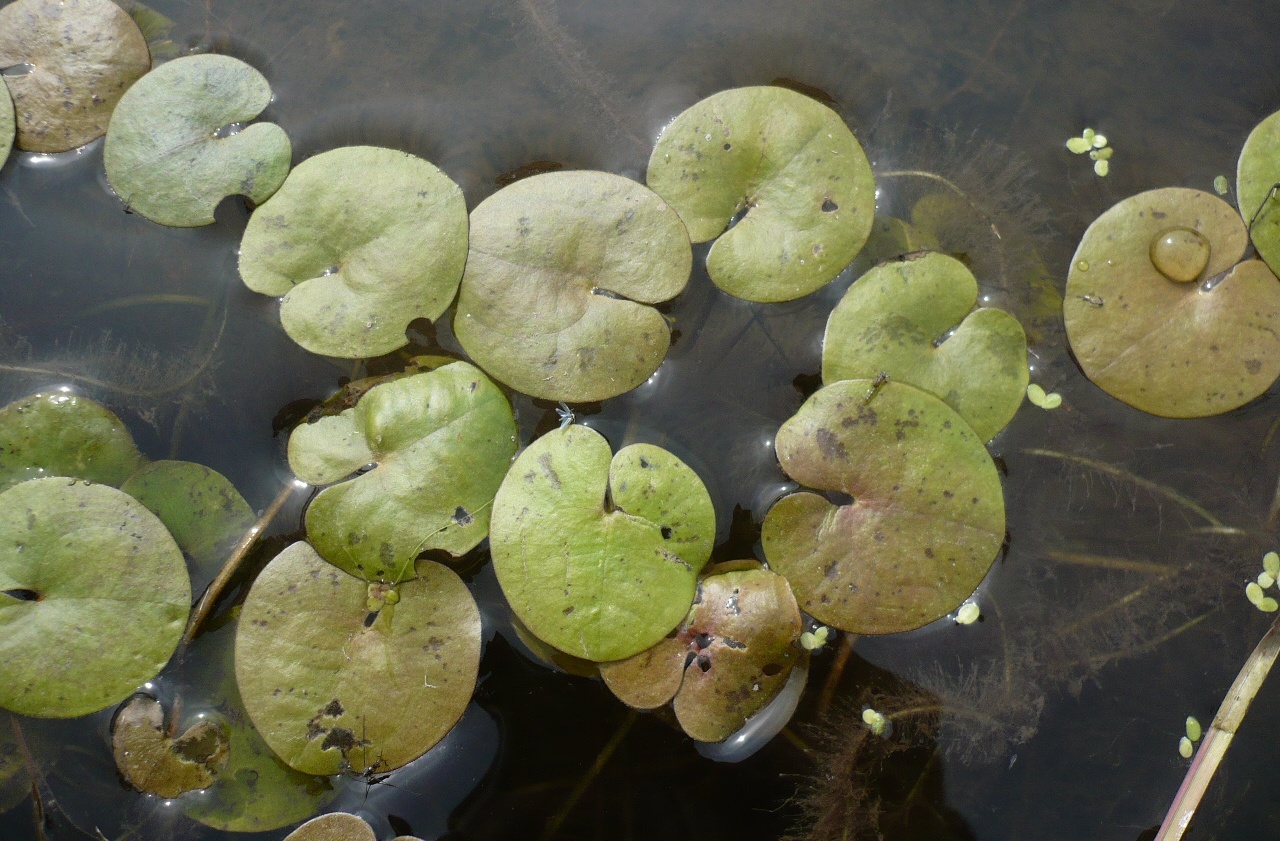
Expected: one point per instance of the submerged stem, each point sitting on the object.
(837, 669)
(606, 753)
(1145, 484)
(1220, 733)
(238, 554)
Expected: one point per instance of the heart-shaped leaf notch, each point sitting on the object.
(338, 674)
(787, 168)
(441, 441)
(360, 241)
(164, 156)
(726, 661)
(160, 762)
(897, 319)
(562, 272)
(80, 57)
(597, 553)
(94, 595)
(1161, 313)
(925, 523)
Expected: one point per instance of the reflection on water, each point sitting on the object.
(1116, 611)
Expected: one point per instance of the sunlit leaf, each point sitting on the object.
(336, 674)
(360, 241)
(728, 659)
(1257, 174)
(201, 509)
(598, 553)
(255, 791)
(914, 319)
(93, 597)
(152, 761)
(61, 434)
(794, 171)
(441, 440)
(335, 826)
(925, 523)
(83, 55)
(163, 155)
(1161, 314)
(563, 268)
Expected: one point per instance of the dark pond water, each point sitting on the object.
(1116, 612)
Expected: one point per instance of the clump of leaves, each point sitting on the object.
(94, 595)
(159, 762)
(787, 169)
(598, 553)
(441, 442)
(359, 241)
(726, 661)
(163, 154)
(914, 320)
(925, 522)
(562, 273)
(81, 55)
(1162, 313)
(340, 674)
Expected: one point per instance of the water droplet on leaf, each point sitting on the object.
(1180, 254)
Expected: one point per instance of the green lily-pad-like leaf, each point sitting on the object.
(598, 553)
(895, 320)
(555, 300)
(93, 597)
(360, 241)
(201, 509)
(63, 434)
(83, 55)
(441, 441)
(152, 761)
(729, 658)
(786, 162)
(255, 791)
(162, 154)
(1256, 176)
(8, 125)
(925, 523)
(335, 826)
(1160, 313)
(339, 674)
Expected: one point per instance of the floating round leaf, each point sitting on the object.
(598, 553)
(360, 241)
(62, 434)
(7, 123)
(793, 169)
(163, 155)
(442, 442)
(1146, 334)
(1256, 176)
(562, 270)
(93, 597)
(925, 523)
(336, 676)
(729, 658)
(82, 54)
(152, 761)
(201, 509)
(895, 320)
(255, 791)
(335, 826)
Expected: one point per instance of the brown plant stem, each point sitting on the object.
(1221, 732)
(238, 554)
(837, 669)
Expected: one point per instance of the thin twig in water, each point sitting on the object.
(238, 554)
(1220, 733)
(606, 753)
(837, 669)
(1145, 484)
(1107, 562)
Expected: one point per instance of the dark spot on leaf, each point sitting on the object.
(1253, 366)
(702, 641)
(666, 532)
(462, 516)
(771, 669)
(830, 446)
(828, 206)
